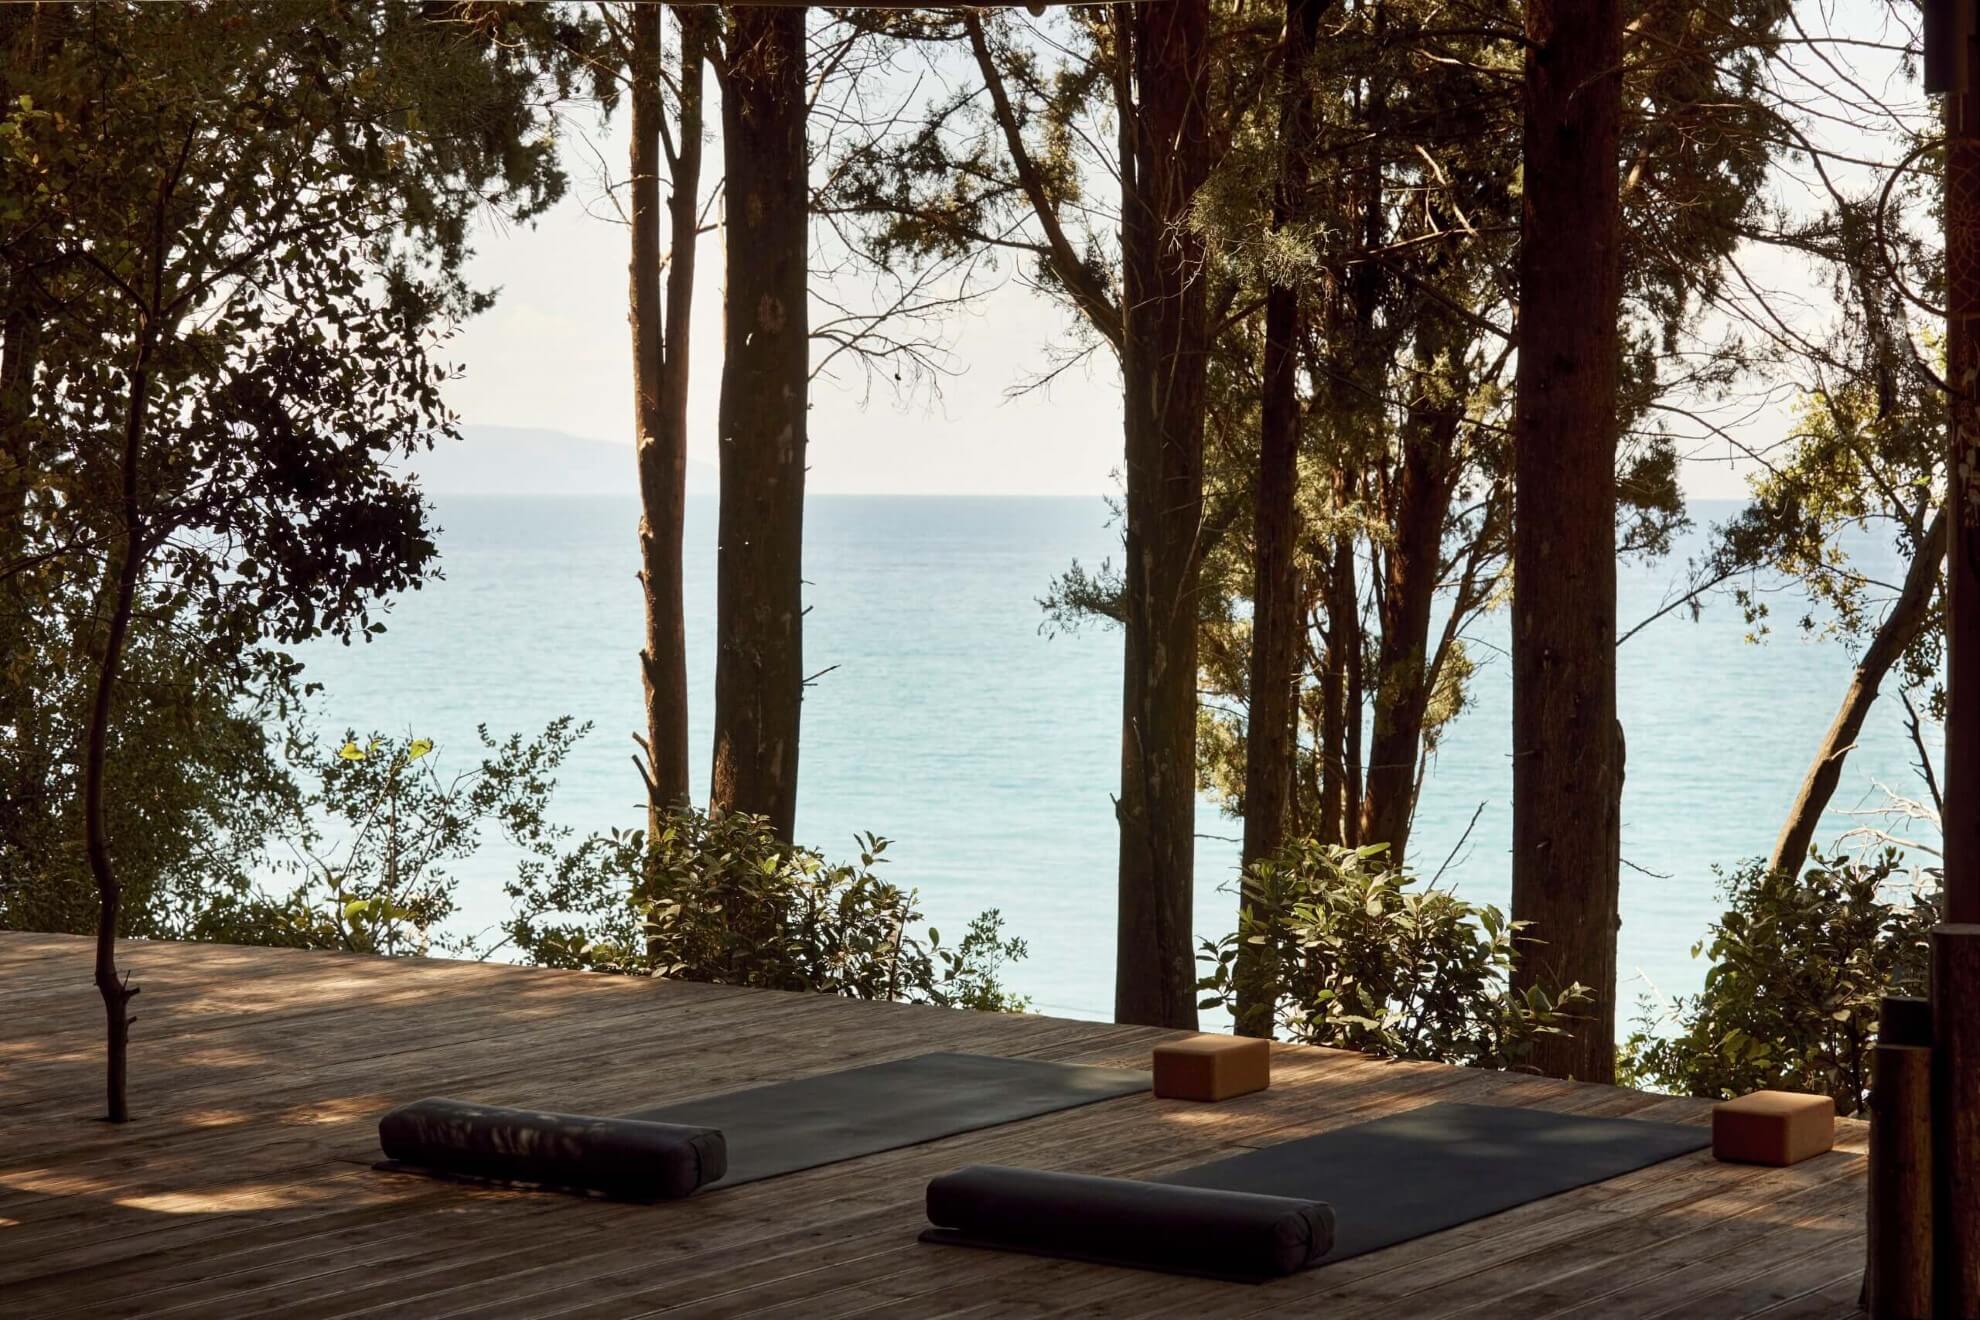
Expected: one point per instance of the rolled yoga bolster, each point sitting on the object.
(619, 1157)
(1194, 1230)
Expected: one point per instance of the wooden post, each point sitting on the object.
(1956, 945)
(1961, 814)
(1956, 1117)
(1904, 1020)
(1899, 1278)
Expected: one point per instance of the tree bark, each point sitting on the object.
(1271, 746)
(120, 572)
(1166, 157)
(1360, 377)
(759, 661)
(1900, 628)
(1961, 814)
(1567, 755)
(1412, 566)
(1336, 702)
(1068, 264)
(1956, 946)
(660, 356)
(1330, 722)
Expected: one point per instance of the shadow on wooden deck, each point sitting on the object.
(243, 1187)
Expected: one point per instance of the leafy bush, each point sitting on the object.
(1798, 966)
(1356, 956)
(374, 841)
(384, 885)
(197, 783)
(722, 899)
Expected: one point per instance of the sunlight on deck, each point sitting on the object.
(243, 1186)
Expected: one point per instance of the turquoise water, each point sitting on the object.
(988, 751)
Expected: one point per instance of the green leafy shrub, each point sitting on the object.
(374, 842)
(383, 886)
(1357, 956)
(722, 899)
(1798, 966)
(197, 783)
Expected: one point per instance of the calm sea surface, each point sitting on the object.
(989, 751)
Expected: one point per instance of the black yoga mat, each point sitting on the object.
(1416, 1173)
(788, 1126)
(1385, 1182)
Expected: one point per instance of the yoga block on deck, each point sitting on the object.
(1773, 1127)
(1212, 1067)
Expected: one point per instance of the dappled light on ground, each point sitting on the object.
(243, 1186)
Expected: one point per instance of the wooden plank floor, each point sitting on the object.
(243, 1186)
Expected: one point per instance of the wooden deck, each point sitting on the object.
(244, 1187)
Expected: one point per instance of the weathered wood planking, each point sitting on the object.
(243, 1187)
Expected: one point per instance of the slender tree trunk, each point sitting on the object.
(1162, 369)
(660, 355)
(1346, 624)
(759, 660)
(663, 659)
(1271, 742)
(1567, 756)
(1330, 731)
(121, 571)
(1900, 628)
(1365, 379)
(684, 219)
(1405, 670)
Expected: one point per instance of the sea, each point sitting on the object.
(946, 719)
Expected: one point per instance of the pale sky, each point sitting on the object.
(554, 354)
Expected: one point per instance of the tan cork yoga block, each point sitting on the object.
(1212, 1067)
(1773, 1127)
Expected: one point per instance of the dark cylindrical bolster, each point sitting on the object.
(1153, 1225)
(620, 1157)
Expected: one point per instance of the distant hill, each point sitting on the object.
(517, 460)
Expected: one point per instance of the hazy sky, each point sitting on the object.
(554, 354)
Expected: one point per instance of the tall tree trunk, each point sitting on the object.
(1271, 742)
(1567, 753)
(1405, 674)
(120, 578)
(1365, 378)
(660, 337)
(1961, 813)
(663, 659)
(1956, 1061)
(1900, 628)
(1338, 604)
(1345, 623)
(759, 660)
(1330, 726)
(1165, 130)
